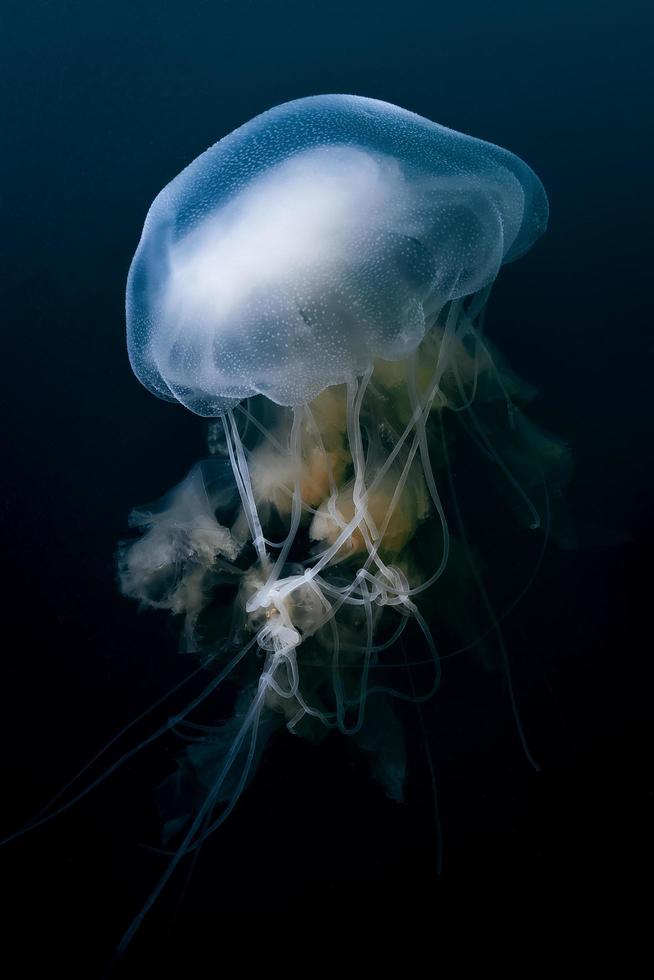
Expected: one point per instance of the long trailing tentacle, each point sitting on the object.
(242, 477)
(250, 723)
(496, 627)
(296, 508)
(168, 726)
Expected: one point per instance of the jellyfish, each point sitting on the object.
(314, 285)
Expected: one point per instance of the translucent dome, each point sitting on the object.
(317, 237)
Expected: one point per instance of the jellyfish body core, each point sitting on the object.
(316, 282)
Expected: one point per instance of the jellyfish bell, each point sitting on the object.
(317, 237)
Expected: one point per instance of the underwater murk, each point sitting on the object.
(315, 284)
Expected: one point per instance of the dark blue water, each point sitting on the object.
(103, 103)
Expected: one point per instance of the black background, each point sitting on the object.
(104, 102)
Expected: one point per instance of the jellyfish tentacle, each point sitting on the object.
(476, 309)
(413, 612)
(251, 721)
(430, 766)
(326, 718)
(266, 433)
(523, 591)
(507, 611)
(371, 536)
(203, 826)
(495, 623)
(394, 637)
(373, 551)
(365, 669)
(510, 407)
(468, 400)
(420, 413)
(496, 458)
(329, 553)
(265, 682)
(430, 481)
(242, 477)
(280, 655)
(333, 489)
(112, 741)
(296, 509)
(130, 753)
